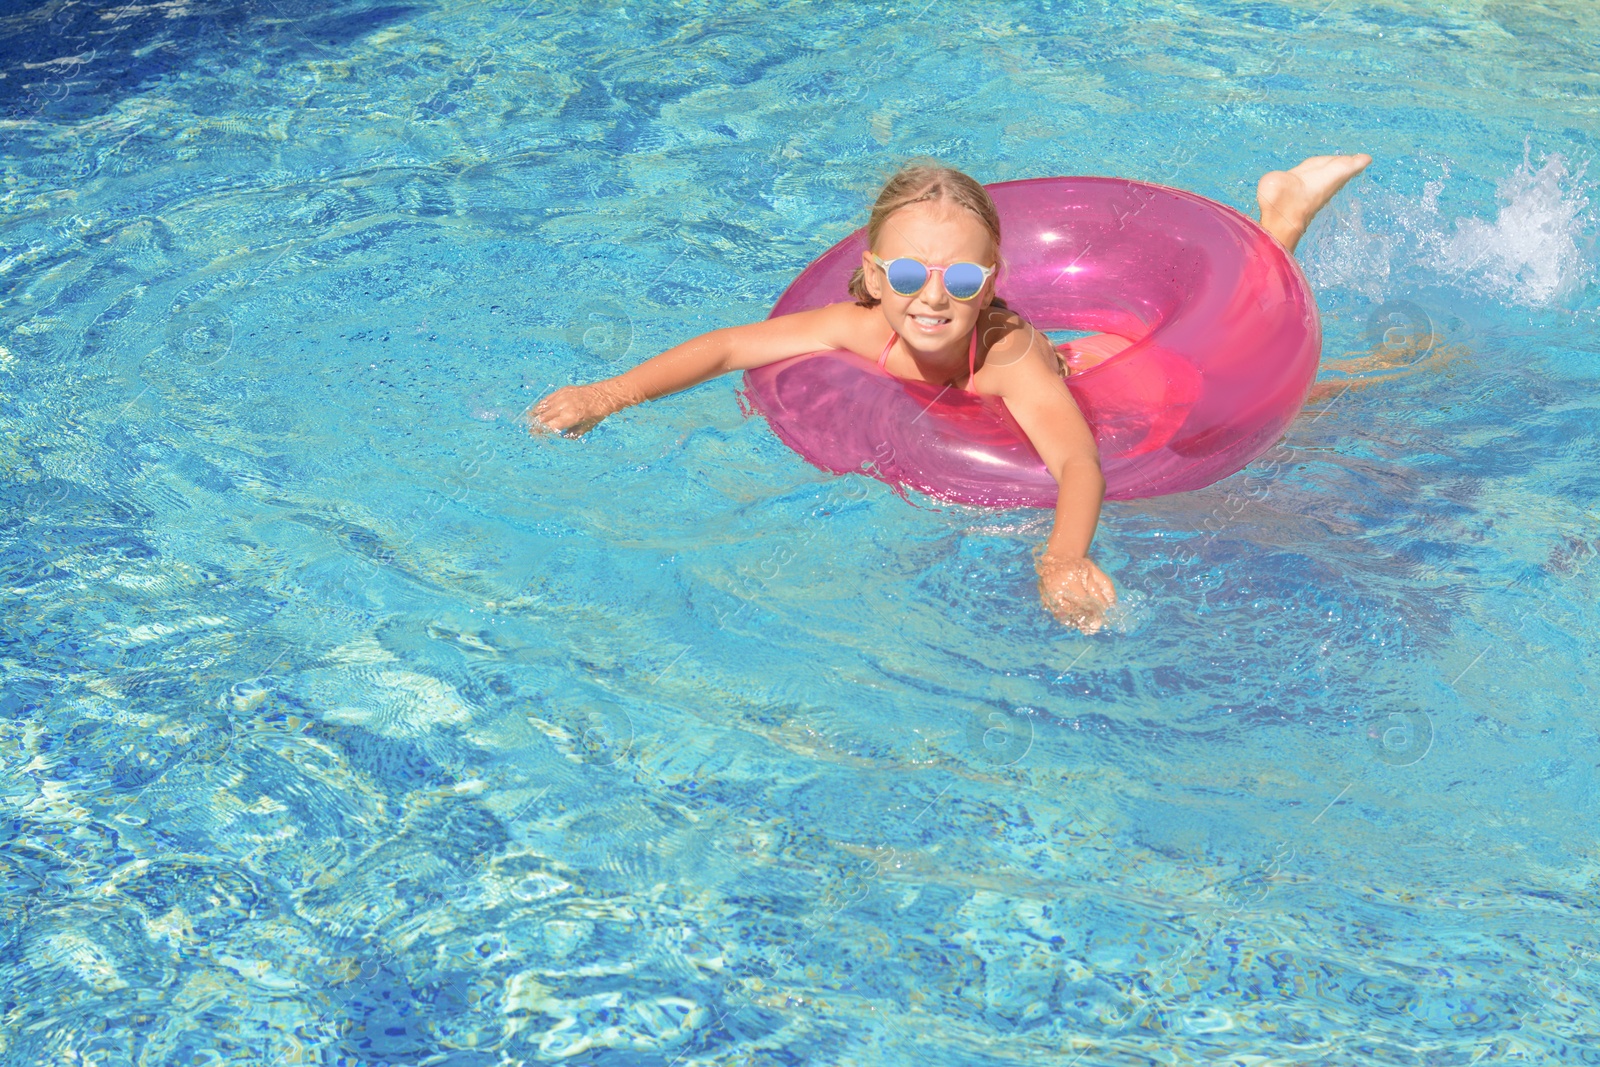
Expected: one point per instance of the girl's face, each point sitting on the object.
(931, 321)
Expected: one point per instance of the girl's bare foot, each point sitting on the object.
(1290, 199)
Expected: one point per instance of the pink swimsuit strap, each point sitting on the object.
(972, 356)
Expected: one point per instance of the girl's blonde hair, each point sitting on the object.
(924, 182)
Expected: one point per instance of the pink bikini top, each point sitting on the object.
(972, 357)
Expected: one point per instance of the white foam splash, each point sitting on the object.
(1530, 252)
(1530, 255)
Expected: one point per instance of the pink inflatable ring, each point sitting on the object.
(1218, 337)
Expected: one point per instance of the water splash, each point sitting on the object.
(1347, 255)
(1531, 255)
(1530, 252)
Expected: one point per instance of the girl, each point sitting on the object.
(925, 309)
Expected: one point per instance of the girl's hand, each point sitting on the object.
(1075, 591)
(571, 411)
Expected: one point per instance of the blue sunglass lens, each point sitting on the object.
(906, 276)
(963, 280)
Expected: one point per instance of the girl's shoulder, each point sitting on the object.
(1009, 340)
(859, 329)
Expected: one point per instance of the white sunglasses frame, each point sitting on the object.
(988, 272)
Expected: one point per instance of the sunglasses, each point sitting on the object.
(962, 281)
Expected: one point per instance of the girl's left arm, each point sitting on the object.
(1031, 386)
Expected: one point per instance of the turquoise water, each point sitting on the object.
(346, 724)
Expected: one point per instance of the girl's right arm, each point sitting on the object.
(576, 408)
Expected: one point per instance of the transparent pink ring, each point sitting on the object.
(1224, 347)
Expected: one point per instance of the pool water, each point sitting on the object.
(344, 723)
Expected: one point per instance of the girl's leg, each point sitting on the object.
(1290, 199)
